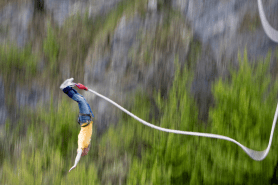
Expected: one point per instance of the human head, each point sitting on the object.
(86, 150)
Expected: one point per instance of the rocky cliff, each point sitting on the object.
(139, 55)
(139, 51)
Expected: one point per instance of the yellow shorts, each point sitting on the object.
(84, 137)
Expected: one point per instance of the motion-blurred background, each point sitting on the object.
(194, 65)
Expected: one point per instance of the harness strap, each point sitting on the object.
(88, 121)
(81, 114)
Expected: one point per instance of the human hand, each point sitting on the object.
(78, 156)
(72, 168)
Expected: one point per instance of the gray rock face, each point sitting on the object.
(3, 110)
(15, 19)
(62, 9)
(206, 72)
(224, 28)
(105, 72)
(152, 5)
(117, 70)
(229, 25)
(14, 22)
(31, 97)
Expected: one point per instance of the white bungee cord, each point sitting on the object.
(256, 155)
(269, 30)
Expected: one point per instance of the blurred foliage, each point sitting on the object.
(244, 110)
(42, 151)
(51, 48)
(47, 151)
(19, 61)
(168, 157)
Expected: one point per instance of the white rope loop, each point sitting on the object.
(256, 155)
(269, 30)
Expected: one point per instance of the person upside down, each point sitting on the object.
(84, 119)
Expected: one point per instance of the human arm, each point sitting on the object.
(77, 159)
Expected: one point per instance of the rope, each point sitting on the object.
(269, 30)
(256, 155)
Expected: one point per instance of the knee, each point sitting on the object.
(80, 99)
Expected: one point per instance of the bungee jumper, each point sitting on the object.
(84, 119)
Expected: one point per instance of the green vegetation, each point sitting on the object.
(168, 158)
(19, 61)
(46, 149)
(244, 110)
(51, 49)
(132, 153)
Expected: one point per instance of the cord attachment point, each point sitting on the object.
(81, 86)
